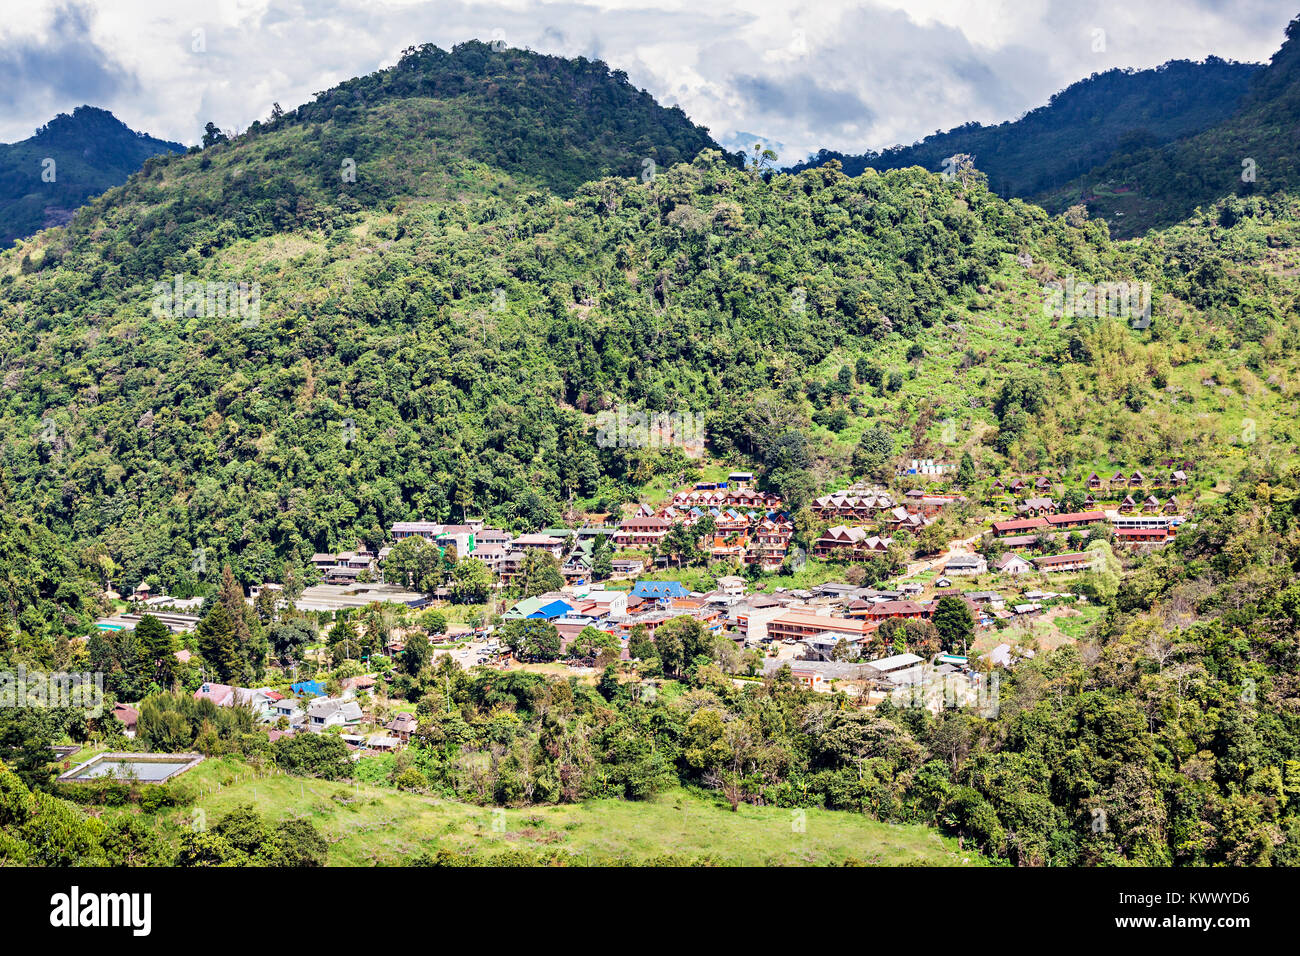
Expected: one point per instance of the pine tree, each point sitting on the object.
(218, 645)
(158, 649)
(966, 470)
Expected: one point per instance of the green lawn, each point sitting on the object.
(368, 825)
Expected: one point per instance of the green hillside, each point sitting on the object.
(458, 125)
(432, 327)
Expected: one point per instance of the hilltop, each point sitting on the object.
(449, 126)
(44, 178)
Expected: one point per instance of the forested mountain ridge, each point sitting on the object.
(1250, 152)
(44, 178)
(1080, 127)
(145, 436)
(471, 122)
(467, 345)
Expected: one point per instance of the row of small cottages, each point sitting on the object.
(850, 507)
(1118, 481)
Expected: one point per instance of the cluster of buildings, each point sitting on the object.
(1118, 483)
(648, 604)
(748, 527)
(819, 618)
(868, 518)
(315, 712)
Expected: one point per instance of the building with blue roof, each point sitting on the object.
(313, 688)
(549, 612)
(660, 590)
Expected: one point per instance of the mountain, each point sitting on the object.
(1079, 128)
(1250, 152)
(413, 356)
(91, 150)
(472, 122)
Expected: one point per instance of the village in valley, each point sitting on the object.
(919, 593)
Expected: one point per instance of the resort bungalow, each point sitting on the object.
(1075, 519)
(1057, 563)
(1018, 526)
(1136, 537)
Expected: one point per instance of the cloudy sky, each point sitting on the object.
(797, 75)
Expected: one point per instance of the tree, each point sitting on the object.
(954, 622)
(679, 641)
(159, 649)
(966, 470)
(680, 544)
(414, 563)
(433, 622)
(265, 607)
(315, 755)
(639, 645)
(212, 135)
(345, 643)
(216, 637)
(293, 586)
(298, 843)
(842, 651)
(540, 573)
(288, 638)
(532, 639)
(762, 159)
(416, 653)
(231, 597)
(593, 642)
(465, 487)
(873, 452)
(471, 581)
(602, 557)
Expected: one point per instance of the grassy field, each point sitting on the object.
(368, 825)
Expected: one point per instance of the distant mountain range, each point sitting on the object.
(1252, 151)
(45, 178)
(1103, 121)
